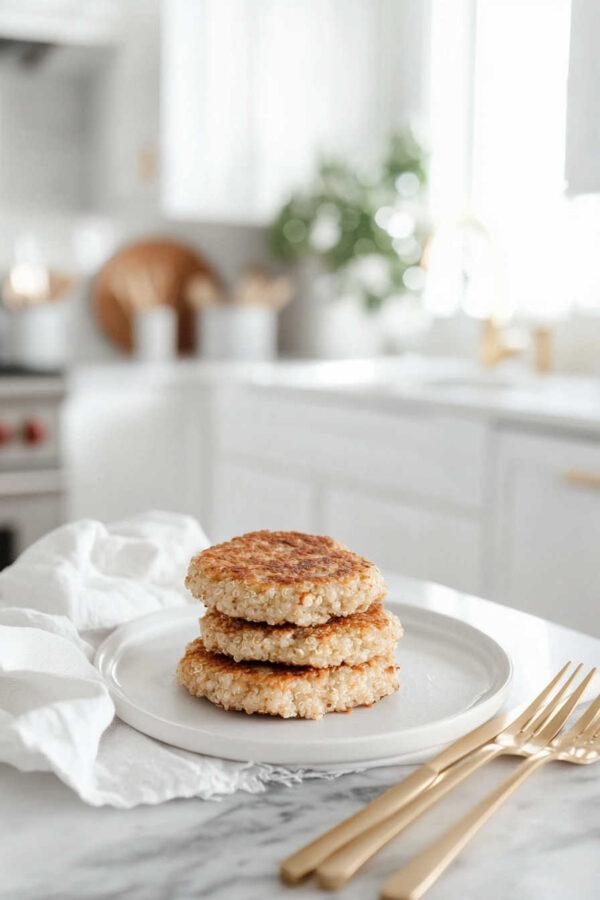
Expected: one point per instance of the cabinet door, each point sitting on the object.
(249, 499)
(130, 450)
(547, 529)
(253, 93)
(124, 118)
(414, 450)
(414, 540)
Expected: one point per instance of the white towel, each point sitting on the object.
(57, 601)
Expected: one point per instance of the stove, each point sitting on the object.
(31, 471)
(10, 370)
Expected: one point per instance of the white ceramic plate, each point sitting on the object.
(452, 678)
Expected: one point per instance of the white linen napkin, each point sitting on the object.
(57, 602)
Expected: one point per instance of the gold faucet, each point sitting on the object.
(493, 349)
(542, 349)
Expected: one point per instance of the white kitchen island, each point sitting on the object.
(486, 482)
(542, 844)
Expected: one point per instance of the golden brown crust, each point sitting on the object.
(286, 691)
(279, 558)
(350, 640)
(374, 617)
(284, 576)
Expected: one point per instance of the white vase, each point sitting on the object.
(321, 324)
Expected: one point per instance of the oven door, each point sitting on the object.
(31, 504)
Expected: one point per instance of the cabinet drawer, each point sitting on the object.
(412, 449)
(547, 528)
(422, 543)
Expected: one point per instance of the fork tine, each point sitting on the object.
(534, 707)
(551, 728)
(543, 715)
(587, 724)
(589, 732)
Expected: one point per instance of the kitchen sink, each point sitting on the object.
(484, 384)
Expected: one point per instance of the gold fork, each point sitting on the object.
(336, 869)
(306, 860)
(580, 745)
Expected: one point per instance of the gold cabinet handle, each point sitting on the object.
(581, 478)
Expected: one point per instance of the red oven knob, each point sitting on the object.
(34, 431)
(6, 433)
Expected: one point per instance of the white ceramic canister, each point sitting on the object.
(155, 333)
(321, 323)
(237, 332)
(37, 335)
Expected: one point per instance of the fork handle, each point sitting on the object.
(414, 879)
(340, 866)
(305, 860)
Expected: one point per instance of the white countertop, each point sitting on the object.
(542, 844)
(510, 393)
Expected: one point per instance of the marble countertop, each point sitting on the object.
(542, 844)
(511, 393)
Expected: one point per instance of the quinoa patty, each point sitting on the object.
(289, 692)
(351, 640)
(284, 576)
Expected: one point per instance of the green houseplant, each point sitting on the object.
(370, 231)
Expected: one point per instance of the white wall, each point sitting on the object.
(42, 145)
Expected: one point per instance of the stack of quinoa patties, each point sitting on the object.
(294, 627)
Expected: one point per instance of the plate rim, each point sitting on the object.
(309, 752)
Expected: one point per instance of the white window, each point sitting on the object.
(498, 123)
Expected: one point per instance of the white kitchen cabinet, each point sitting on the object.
(124, 128)
(135, 448)
(254, 91)
(546, 528)
(80, 128)
(56, 21)
(249, 499)
(405, 488)
(414, 449)
(484, 507)
(415, 540)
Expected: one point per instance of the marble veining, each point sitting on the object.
(544, 844)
